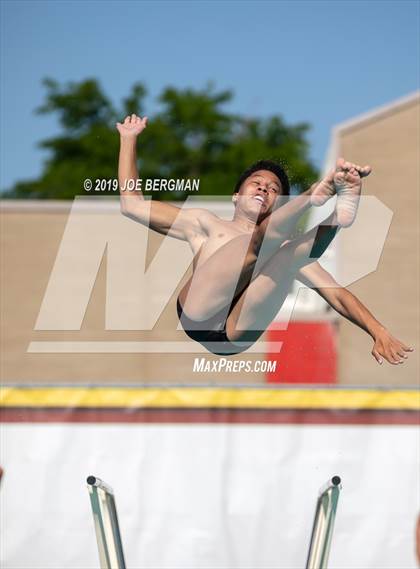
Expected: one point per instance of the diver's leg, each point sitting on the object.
(229, 270)
(265, 295)
(216, 281)
(260, 302)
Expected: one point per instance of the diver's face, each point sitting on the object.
(259, 192)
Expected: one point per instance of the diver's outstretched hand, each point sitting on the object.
(132, 126)
(389, 348)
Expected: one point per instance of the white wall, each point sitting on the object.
(208, 496)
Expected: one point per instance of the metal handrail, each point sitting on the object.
(323, 526)
(105, 518)
(108, 535)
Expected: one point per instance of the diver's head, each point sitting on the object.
(260, 185)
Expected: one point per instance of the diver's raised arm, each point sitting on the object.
(127, 168)
(160, 216)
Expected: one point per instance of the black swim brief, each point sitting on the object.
(211, 333)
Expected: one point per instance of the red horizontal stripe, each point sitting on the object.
(241, 416)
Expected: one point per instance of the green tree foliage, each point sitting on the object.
(192, 136)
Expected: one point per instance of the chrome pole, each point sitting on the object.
(105, 519)
(323, 526)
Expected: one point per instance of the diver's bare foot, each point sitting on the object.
(345, 181)
(324, 190)
(348, 185)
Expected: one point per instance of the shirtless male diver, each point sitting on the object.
(243, 268)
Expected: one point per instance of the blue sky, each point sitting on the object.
(318, 62)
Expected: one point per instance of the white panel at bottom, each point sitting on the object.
(208, 496)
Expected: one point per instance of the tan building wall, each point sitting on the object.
(388, 140)
(32, 232)
(30, 239)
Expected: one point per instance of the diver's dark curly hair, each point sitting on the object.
(271, 166)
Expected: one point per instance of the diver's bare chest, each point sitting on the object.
(219, 236)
